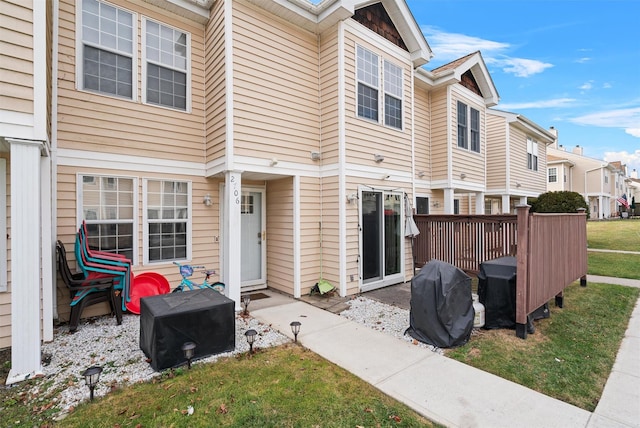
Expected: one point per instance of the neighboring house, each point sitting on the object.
(516, 160)
(598, 181)
(278, 142)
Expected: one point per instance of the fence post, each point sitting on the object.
(583, 278)
(522, 271)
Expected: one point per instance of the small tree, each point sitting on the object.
(559, 202)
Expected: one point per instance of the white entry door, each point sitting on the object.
(253, 246)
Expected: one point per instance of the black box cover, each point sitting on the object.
(202, 316)
(441, 305)
(497, 292)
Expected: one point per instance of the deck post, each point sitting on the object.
(522, 270)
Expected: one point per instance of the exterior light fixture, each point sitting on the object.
(315, 156)
(421, 174)
(251, 337)
(245, 302)
(295, 329)
(91, 378)
(378, 157)
(189, 351)
(463, 176)
(273, 162)
(207, 200)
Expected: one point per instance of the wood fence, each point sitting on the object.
(550, 249)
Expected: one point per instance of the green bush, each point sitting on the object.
(559, 202)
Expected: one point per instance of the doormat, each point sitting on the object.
(258, 296)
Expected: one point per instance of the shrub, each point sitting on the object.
(559, 202)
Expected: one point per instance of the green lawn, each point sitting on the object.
(614, 234)
(614, 264)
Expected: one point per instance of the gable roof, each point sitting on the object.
(527, 125)
(452, 72)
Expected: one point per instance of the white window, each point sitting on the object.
(166, 61)
(392, 95)
(368, 81)
(167, 222)
(107, 204)
(468, 127)
(553, 175)
(532, 154)
(106, 51)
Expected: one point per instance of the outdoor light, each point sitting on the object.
(251, 337)
(207, 200)
(245, 302)
(315, 156)
(189, 351)
(295, 329)
(91, 378)
(378, 157)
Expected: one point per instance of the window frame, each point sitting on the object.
(468, 127)
(384, 87)
(532, 154)
(80, 53)
(146, 61)
(554, 175)
(146, 221)
(461, 119)
(425, 202)
(80, 208)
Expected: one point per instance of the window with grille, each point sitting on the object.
(553, 175)
(532, 154)
(392, 95)
(167, 220)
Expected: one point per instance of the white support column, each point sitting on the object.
(48, 253)
(25, 260)
(480, 203)
(232, 237)
(449, 195)
(506, 204)
(297, 268)
(523, 200)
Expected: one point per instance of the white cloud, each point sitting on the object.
(555, 103)
(583, 60)
(606, 85)
(627, 119)
(450, 46)
(631, 160)
(586, 86)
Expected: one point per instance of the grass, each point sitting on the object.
(614, 264)
(287, 386)
(570, 355)
(614, 234)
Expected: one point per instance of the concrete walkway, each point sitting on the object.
(450, 392)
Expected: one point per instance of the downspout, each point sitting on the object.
(54, 144)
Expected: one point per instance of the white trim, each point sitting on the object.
(342, 211)
(3, 225)
(47, 256)
(40, 71)
(297, 285)
(229, 84)
(120, 162)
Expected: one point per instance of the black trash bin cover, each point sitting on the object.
(441, 305)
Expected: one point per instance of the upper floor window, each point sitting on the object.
(369, 87)
(107, 49)
(166, 220)
(166, 65)
(468, 127)
(532, 154)
(553, 175)
(107, 206)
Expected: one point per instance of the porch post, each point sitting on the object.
(232, 237)
(506, 204)
(25, 259)
(480, 203)
(449, 195)
(522, 269)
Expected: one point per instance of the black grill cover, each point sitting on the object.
(167, 321)
(497, 292)
(441, 305)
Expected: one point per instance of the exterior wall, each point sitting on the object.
(422, 134)
(529, 180)
(215, 84)
(310, 238)
(275, 87)
(440, 117)
(104, 124)
(328, 75)
(280, 241)
(330, 231)
(5, 297)
(466, 161)
(497, 153)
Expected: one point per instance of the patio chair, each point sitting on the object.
(87, 290)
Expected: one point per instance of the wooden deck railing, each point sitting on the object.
(551, 250)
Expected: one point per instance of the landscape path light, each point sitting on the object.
(91, 378)
(189, 349)
(251, 337)
(295, 329)
(245, 302)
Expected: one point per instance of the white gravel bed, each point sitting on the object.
(116, 348)
(382, 317)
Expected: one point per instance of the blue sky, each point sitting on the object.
(571, 64)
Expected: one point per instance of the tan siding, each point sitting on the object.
(205, 226)
(275, 87)
(518, 148)
(496, 152)
(439, 135)
(330, 266)
(5, 298)
(329, 96)
(94, 122)
(422, 133)
(466, 161)
(215, 91)
(309, 233)
(280, 235)
(16, 57)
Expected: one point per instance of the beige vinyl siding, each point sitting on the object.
(352, 237)
(16, 56)
(518, 147)
(497, 152)
(280, 235)
(366, 138)
(5, 297)
(439, 135)
(275, 87)
(205, 226)
(99, 123)
(422, 134)
(310, 210)
(330, 264)
(467, 161)
(215, 89)
(329, 101)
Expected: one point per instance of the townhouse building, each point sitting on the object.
(278, 142)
